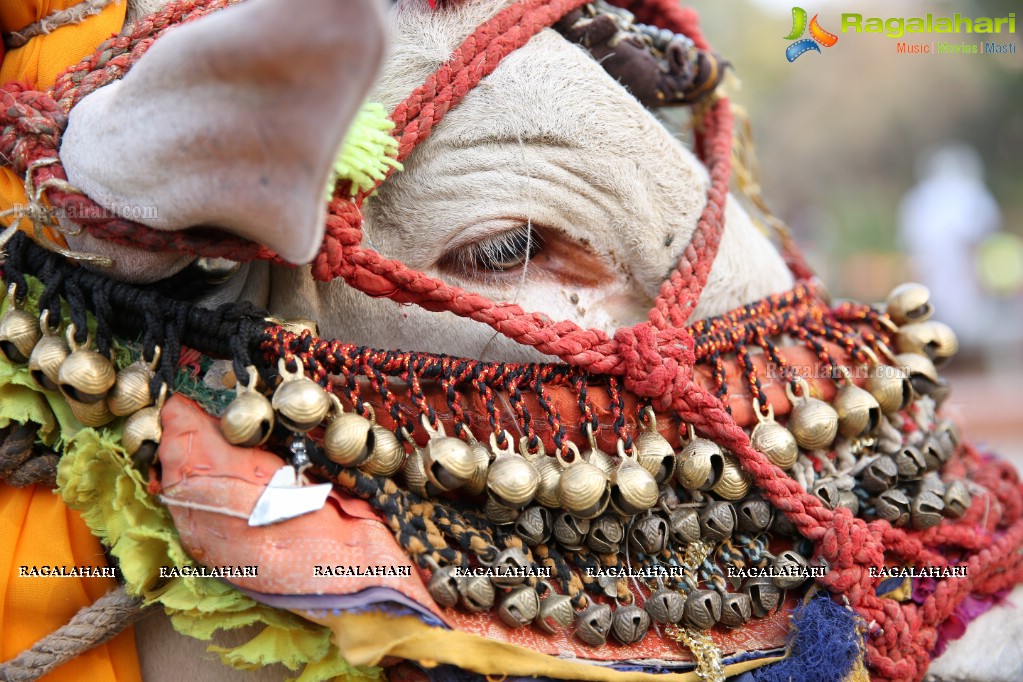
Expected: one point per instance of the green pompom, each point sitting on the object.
(368, 151)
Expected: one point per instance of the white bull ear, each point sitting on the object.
(232, 121)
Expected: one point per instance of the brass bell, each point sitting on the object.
(386, 454)
(783, 526)
(754, 514)
(481, 457)
(629, 624)
(849, 500)
(685, 524)
(633, 488)
(249, 419)
(926, 509)
(933, 454)
(813, 422)
(734, 483)
(827, 492)
(790, 570)
(890, 386)
(535, 525)
(606, 535)
(85, 376)
(348, 438)
(19, 330)
(508, 569)
(649, 534)
(910, 463)
(764, 595)
(947, 432)
(570, 531)
(594, 624)
(653, 452)
(476, 593)
(550, 474)
(143, 432)
(131, 389)
(703, 609)
(859, 413)
(880, 474)
(300, 403)
(736, 609)
(700, 464)
(583, 490)
(665, 606)
(520, 607)
(893, 506)
(444, 586)
(909, 302)
(47, 356)
(934, 339)
(556, 613)
(931, 481)
(513, 480)
(717, 521)
(497, 513)
(595, 455)
(414, 470)
(774, 440)
(923, 375)
(448, 462)
(957, 499)
(91, 414)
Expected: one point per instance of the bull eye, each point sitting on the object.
(503, 253)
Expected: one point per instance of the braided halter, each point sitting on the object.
(653, 361)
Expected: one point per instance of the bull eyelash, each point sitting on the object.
(505, 252)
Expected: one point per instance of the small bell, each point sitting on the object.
(143, 432)
(880, 474)
(859, 413)
(890, 386)
(700, 463)
(933, 339)
(734, 483)
(736, 609)
(131, 389)
(666, 606)
(827, 492)
(85, 376)
(535, 525)
(813, 422)
(790, 570)
(91, 414)
(703, 609)
(653, 452)
(782, 526)
(933, 454)
(570, 531)
(520, 607)
(594, 624)
(497, 513)
(764, 595)
(47, 356)
(414, 470)
(633, 488)
(248, 420)
(556, 613)
(754, 514)
(923, 375)
(19, 330)
(444, 586)
(629, 624)
(508, 569)
(909, 302)
(595, 456)
(348, 438)
(513, 480)
(717, 521)
(685, 525)
(300, 403)
(650, 534)
(926, 509)
(910, 463)
(893, 506)
(606, 535)
(476, 593)
(481, 457)
(774, 440)
(849, 500)
(947, 432)
(931, 481)
(386, 454)
(957, 499)
(550, 475)
(448, 462)
(583, 490)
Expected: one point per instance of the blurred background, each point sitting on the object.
(892, 167)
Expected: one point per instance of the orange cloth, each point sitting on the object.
(38, 529)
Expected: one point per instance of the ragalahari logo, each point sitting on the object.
(818, 36)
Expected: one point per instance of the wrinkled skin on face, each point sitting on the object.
(549, 185)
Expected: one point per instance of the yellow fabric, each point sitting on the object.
(38, 529)
(368, 638)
